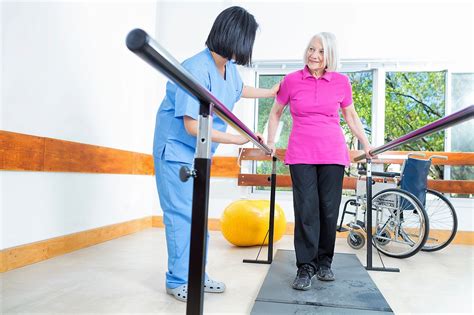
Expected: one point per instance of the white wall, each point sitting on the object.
(1, 126)
(422, 30)
(67, 74)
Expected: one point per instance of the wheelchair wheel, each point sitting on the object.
(383, 237)
(356, 239)
(442, 217)
(401, 226)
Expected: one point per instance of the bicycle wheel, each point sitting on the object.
(443, 221)
(400, 226)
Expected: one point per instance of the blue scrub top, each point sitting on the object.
(172, 142)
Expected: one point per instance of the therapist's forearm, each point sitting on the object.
(191, 127)
(251, 92)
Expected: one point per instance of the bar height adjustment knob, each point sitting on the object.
(185, 172)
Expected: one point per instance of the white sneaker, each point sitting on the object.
(213, 286)
(180, 293)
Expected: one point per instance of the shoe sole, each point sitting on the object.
(326, 279)
(214, 290)
(172, 293)
(305, 288)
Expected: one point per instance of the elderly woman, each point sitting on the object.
(317, 153)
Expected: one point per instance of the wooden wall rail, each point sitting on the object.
(446, 186)
(21, 152)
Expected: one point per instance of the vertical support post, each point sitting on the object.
(448, 132)
(271, 225)
(369, 213)
(197, 254)
(271, 219)
(369, 222)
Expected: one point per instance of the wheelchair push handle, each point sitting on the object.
(442, 157)
(409, 155)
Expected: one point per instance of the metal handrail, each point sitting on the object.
(440, 124)
(146, 48)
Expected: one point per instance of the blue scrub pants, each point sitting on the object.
(176, 203)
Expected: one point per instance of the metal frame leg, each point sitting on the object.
(198, 246)
(271, 219)
(369, 222)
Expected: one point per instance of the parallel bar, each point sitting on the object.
(440, 124)
(139, 42)
(145, 47)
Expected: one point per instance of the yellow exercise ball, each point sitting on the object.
(245, 222)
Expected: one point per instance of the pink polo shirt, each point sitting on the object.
(316, 136)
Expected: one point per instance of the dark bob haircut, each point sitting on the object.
(233, 34)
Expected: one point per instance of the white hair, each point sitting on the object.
(331, 53)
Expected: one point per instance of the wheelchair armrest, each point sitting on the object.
(381, 174)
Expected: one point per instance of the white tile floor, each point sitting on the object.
(126, 276)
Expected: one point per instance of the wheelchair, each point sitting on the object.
(408, 217)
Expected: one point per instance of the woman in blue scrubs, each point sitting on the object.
(230, 42)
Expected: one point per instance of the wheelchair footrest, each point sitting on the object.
(342, 229)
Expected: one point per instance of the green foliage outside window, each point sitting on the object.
(462, 95)
(413, 100)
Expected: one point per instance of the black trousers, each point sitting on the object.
(317, 191)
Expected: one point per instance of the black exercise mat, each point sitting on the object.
(353, 291)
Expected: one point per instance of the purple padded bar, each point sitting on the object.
(440, 124)
(139, 42)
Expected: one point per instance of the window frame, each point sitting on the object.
(379, 68)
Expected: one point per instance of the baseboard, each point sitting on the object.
(23, 255)
(212, 224)
(2, 262)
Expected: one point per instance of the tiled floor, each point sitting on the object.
(127, 276)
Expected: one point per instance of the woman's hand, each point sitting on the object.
(367, 150)
(260, 137)
(271, 146)
(274, 89)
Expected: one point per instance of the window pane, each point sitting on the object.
(462, 95)
(413, 100)
(264, 107)
(362, 94)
